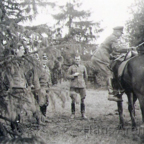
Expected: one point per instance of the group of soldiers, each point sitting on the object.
(26, 79)
(25, 82)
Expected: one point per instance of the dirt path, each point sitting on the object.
(101, 127)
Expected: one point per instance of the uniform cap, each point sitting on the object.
(118, 28)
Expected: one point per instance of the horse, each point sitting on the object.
(131, 81)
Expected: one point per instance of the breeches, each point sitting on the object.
(42, 97)
(75, 91)
(101, 67)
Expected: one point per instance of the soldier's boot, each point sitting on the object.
(72, 110)
(83, 111)
(111, 96)
(43, 109)
(38, 119)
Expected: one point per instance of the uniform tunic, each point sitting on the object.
(101, 57)
(77, 83)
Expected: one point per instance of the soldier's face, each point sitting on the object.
(36, 56)
(119, 33)
(77, 60)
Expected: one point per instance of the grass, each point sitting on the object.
(99, 129)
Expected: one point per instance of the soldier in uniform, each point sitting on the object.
(77, 74)
(37, 77)
(45, 82)
(20, 97)
(44, 79)
(101, 58)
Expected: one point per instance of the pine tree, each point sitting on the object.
(77, 23)
(14, 11)
(11, 13)
(135, 26)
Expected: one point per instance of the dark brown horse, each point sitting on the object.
(132, 81)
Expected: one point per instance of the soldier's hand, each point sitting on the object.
(76, 74)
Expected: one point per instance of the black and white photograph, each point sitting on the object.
(71, 71)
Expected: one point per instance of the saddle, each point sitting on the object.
(121, 61)
(130, 55)
(119, 65)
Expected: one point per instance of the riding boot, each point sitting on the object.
(38, 119)
(43, 109)
(83, 111)
(111, 96)
(72, 110)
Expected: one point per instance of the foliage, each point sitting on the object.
(135, 26)
(77, 23)
(13, 12)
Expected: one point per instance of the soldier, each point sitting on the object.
(45, 81)
(36, 82)
(101, 58)
(44, 78)
(77, 73)
(20, 97)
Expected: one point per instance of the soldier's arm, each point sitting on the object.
(117, 48)
(85, 74)
(36, 82)
(29, 77)
(69, 73)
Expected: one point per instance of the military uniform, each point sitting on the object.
(15, 80)
(44, 79)
(20, 99)
(77, 85)
(101, 57)
(30, 71)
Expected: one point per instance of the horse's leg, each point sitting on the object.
(120, 110)
(141, 101)
(134, 100)
(131, 109)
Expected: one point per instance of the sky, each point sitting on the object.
(111, 12)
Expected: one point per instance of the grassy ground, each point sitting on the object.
(99, 129)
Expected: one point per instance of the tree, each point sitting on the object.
(11, 13)
(77, 23)
(135, 26)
